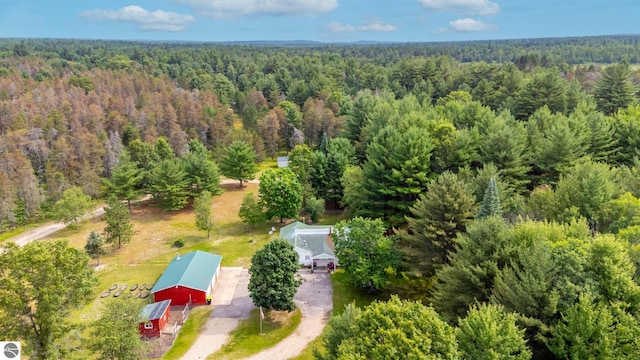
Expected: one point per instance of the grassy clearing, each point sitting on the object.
(246, 339)
(344, 293)
(189, 332)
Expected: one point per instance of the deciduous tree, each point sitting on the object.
(202, 208)
(251, 212)
(367, 255)
(280, 193)
(41, 283)
(274, 277)
(73, 205)
(115, 334)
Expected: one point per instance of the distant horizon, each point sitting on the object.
(324, 21)
(311, 42)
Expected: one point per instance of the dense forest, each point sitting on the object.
(507, 171)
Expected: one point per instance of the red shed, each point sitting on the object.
(188, 278)
(155, 317)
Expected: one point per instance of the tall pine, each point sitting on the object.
(490, 202)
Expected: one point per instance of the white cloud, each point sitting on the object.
(234, 8)
(465, 25)
(373, 25)
(158, 20)
(471, 7)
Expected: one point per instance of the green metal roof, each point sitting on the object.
(314, 243)
(154, 311)
(193, 270)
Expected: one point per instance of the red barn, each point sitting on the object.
(188, 278)
(155, 317)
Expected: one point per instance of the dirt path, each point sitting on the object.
(316, 302)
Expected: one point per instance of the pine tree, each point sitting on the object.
(119, 229)
(125, 180)
(239, 162)
(490, 202)
(93, 247)
(436, 219)
(614, 90)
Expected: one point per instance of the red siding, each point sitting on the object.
(180, 296)
(158, 325)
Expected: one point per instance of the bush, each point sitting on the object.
(178, 243)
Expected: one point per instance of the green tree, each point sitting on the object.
(488, 333)
(251, 212)
(396, 171)
(470, 275)
(163, 150)
(367, 255)
(586, 188)
(338, 329)
(168, 183)
(398, 330)
(340, 154)
(592, 330)
(73, 206)
(436, 219)
(115, 334)
(126, 179)
(93, 247)
(490, 202)
(239, 162)
(202, 173)
(615, 89)
(274, 277)
(545, 88)
(119, 229)
(315, 208)
(202, 208)
(280, 193)
(352, 181)
(42, 283)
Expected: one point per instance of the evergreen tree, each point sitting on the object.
(126, 179)
(119, 229)
(490, 202)
(202, 208)
(436, 219)
(615, 90)
(168, 183)
(239, 162)
(202, 173)
(163, 150)
(93, 247)
(396, 171)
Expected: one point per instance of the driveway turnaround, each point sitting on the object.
(314, 298)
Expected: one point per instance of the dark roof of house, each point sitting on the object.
(154, 311)
(193, 270)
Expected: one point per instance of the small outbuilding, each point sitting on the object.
(313, 243)
(283, 161)
(189, 279)
(154, 318)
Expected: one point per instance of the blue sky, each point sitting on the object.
(320, 20)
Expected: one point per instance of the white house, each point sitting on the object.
(313, 243)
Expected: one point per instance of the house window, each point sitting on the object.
(148, 325)
(307, 257)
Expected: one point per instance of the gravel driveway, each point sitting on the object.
(314, 298)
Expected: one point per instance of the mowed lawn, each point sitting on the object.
(143, 260)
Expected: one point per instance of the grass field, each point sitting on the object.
(144, 259)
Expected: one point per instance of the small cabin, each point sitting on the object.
(155, 317)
